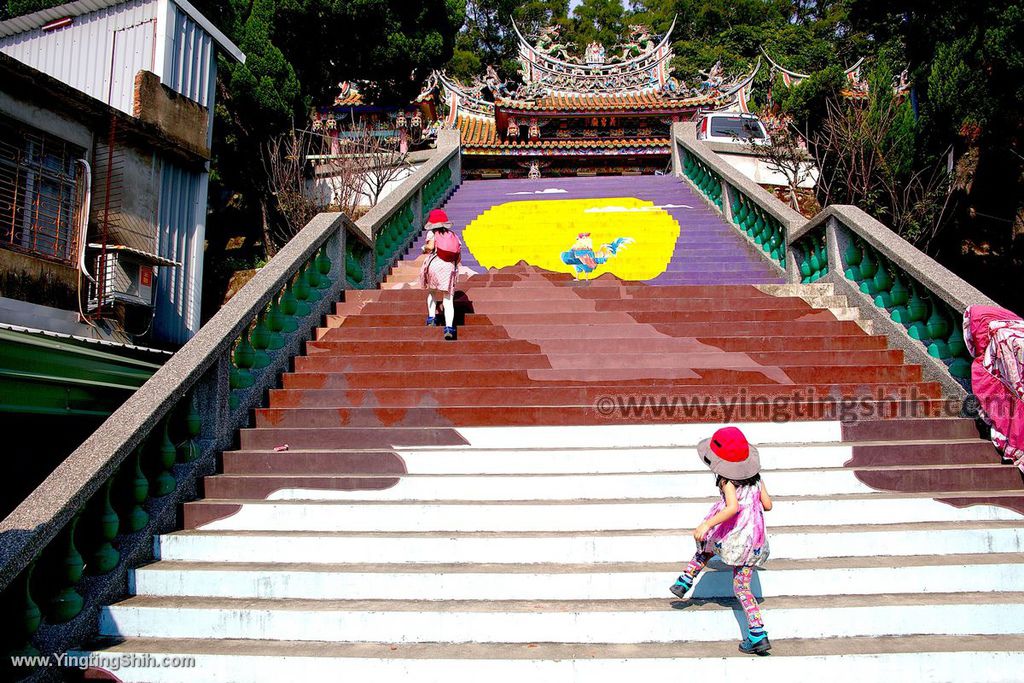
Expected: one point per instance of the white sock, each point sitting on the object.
(449, 310)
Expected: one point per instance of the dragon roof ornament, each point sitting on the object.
(638, 65)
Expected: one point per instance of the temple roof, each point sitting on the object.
(641, 101)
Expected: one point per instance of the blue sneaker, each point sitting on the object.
(430, 321)
(680, 587)
(756, 644)
(449, 333)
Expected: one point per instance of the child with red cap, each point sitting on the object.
(734, 527)
(441, 268)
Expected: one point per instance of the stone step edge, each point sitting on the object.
(892, 528)
(857, 562)
(564, 475)
(447, 450)
(859, 645)
(579, 606)
(982, 496)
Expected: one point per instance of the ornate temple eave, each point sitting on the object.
(637, 104)
(569, 148)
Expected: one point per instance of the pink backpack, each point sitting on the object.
(447, 246)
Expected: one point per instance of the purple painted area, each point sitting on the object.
(708, 252)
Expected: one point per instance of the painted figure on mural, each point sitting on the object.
(585, 259)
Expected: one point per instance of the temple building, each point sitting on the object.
(607, 112)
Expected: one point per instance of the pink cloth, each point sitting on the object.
(741, 540)
(439, 274)
(995, 337)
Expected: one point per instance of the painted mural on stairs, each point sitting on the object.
(631, 238)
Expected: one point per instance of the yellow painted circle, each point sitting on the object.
(537, 232)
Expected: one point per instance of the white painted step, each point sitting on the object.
(647, 435)
(571, 487)
(786, 544)
(568, 516)
(655, 621)
(992, 573)
(912, 658)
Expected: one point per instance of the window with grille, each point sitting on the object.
(40, 193)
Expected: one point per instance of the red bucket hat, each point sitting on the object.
(729, 455)
(437, 219)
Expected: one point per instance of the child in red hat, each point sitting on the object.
(441, 268)
(734, 527)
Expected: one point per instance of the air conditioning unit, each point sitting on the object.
(127, 276)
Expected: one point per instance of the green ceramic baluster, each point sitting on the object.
(806, 271)
(105, 557)
(28, 616)
(882, 284)
(961, 365)
(289, 311)
(138, 518)
(240, 377)
(189, 448)
(275, 326)
(938, 331)
(67, 602)
(165, 482)
(919, 327)
(260, 341)
(323, 267)
(853, 256)
(868, 268)
(302, 294)
(898, 294)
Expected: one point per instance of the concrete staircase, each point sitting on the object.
(507, 506)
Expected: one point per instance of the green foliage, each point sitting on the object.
(807, 102)
(597, 20)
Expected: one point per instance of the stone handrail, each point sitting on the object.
(758, 215)
(915, 299)
(94, 517)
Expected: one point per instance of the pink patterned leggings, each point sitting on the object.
(740, 586)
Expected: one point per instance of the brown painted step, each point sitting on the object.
(615, 330)
(525, 415)
(541, 317)
(667, 377)
(648, 345)
(576, 304)
(971, 451)
(593, 290)
(994, 477)
(595, 360)
(576, 395)
(895, 430)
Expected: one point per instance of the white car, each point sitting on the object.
(732, 127)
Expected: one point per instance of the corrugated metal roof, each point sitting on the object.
(86, 340)
(29, 22)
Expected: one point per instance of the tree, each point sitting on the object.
(600, 21)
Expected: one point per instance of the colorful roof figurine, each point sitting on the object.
(857, 86)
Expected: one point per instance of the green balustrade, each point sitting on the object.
(926, 318)
(260, 341)
(353, 266)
